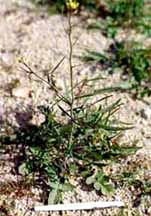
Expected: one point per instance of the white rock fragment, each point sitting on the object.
(22, 92)
(6, 60)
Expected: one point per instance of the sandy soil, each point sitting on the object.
(26, 31)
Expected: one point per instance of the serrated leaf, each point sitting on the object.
(106, 188)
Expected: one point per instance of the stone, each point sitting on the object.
(6, 60)
(22, 92)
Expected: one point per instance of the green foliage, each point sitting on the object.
(131, 14)
(126, 10)
(126, 14)
(100, 183)
(134, 61)
(79, 146)
(49, 153)
(90, 5)
(116, 13)
(134, 180)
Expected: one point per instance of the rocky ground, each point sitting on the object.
(27, 31)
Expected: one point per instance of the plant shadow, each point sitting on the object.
(13, 146)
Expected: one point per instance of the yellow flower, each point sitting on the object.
(20, 59)
(72, 5)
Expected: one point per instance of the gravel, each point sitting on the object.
(41, 39)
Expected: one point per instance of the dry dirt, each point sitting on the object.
(26, 31)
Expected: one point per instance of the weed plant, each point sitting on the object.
(126, 14)
(78, 147)
(131, 14)
(117, 13)
(134, 62)
(126, 10)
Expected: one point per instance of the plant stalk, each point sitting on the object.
(71, 76)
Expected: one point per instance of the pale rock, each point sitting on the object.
(38, 119)
(7, 60)
(22, 92)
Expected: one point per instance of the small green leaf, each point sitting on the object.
(66, 187)
(129, 150)
(53, 185)
(98, 91)
(97, 186)
(53, 197)
(90, 180)
(100, 175)
(23, 170)
(106, 188)
(112, 128)
(72, 168)
(85, 173)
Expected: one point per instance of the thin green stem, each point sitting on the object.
(70, 61)
(71, 76)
